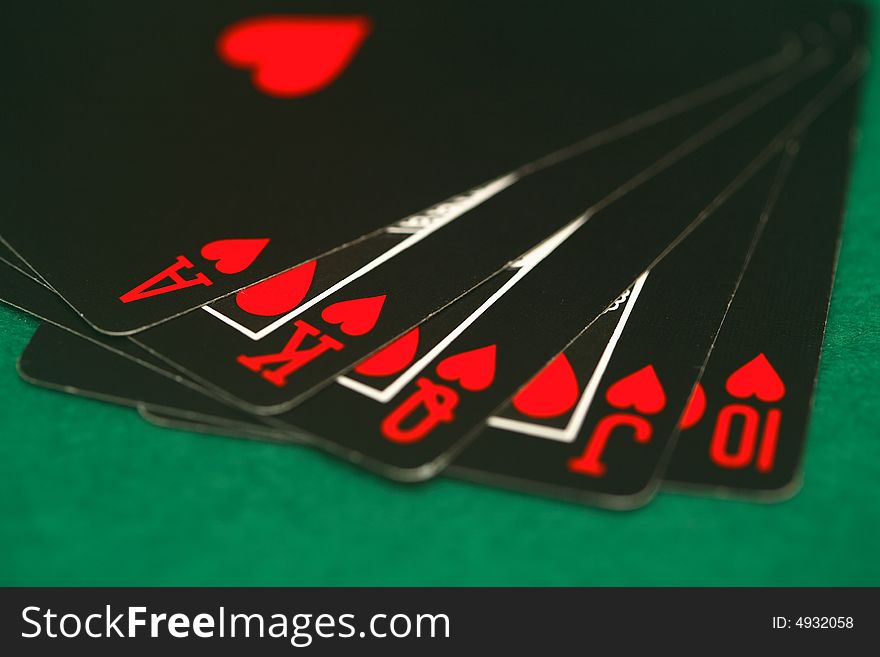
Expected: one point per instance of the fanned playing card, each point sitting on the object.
(756, 393)
(23, 291)
(62, 360)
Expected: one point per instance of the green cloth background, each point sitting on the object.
(92, 495)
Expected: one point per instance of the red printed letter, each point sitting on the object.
(144, 291)
(589, 463)
(438, 400)
(291, 356)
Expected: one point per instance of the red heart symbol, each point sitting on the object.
(279, 294)
(474, 370)
(233, 256)
(640, 390)
(355, 317)
(551, 393)
(695, 408)
(758, 378)
(393, 357)
(293, 56)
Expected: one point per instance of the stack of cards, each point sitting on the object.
(580, 253)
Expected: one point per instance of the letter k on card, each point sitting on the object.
(344, 319)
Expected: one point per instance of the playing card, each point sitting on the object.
(24, 292)
(62, 360)
(595, 424)
(81, 360)
(189, 151)
(756, 393)
(304, 352)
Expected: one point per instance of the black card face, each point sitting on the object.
(21, 290)
(595, 424)
(193, 150)
(272, 372)
(759, 381)
(59, 359)
(65, 353)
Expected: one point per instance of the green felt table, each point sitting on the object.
(92, 495)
